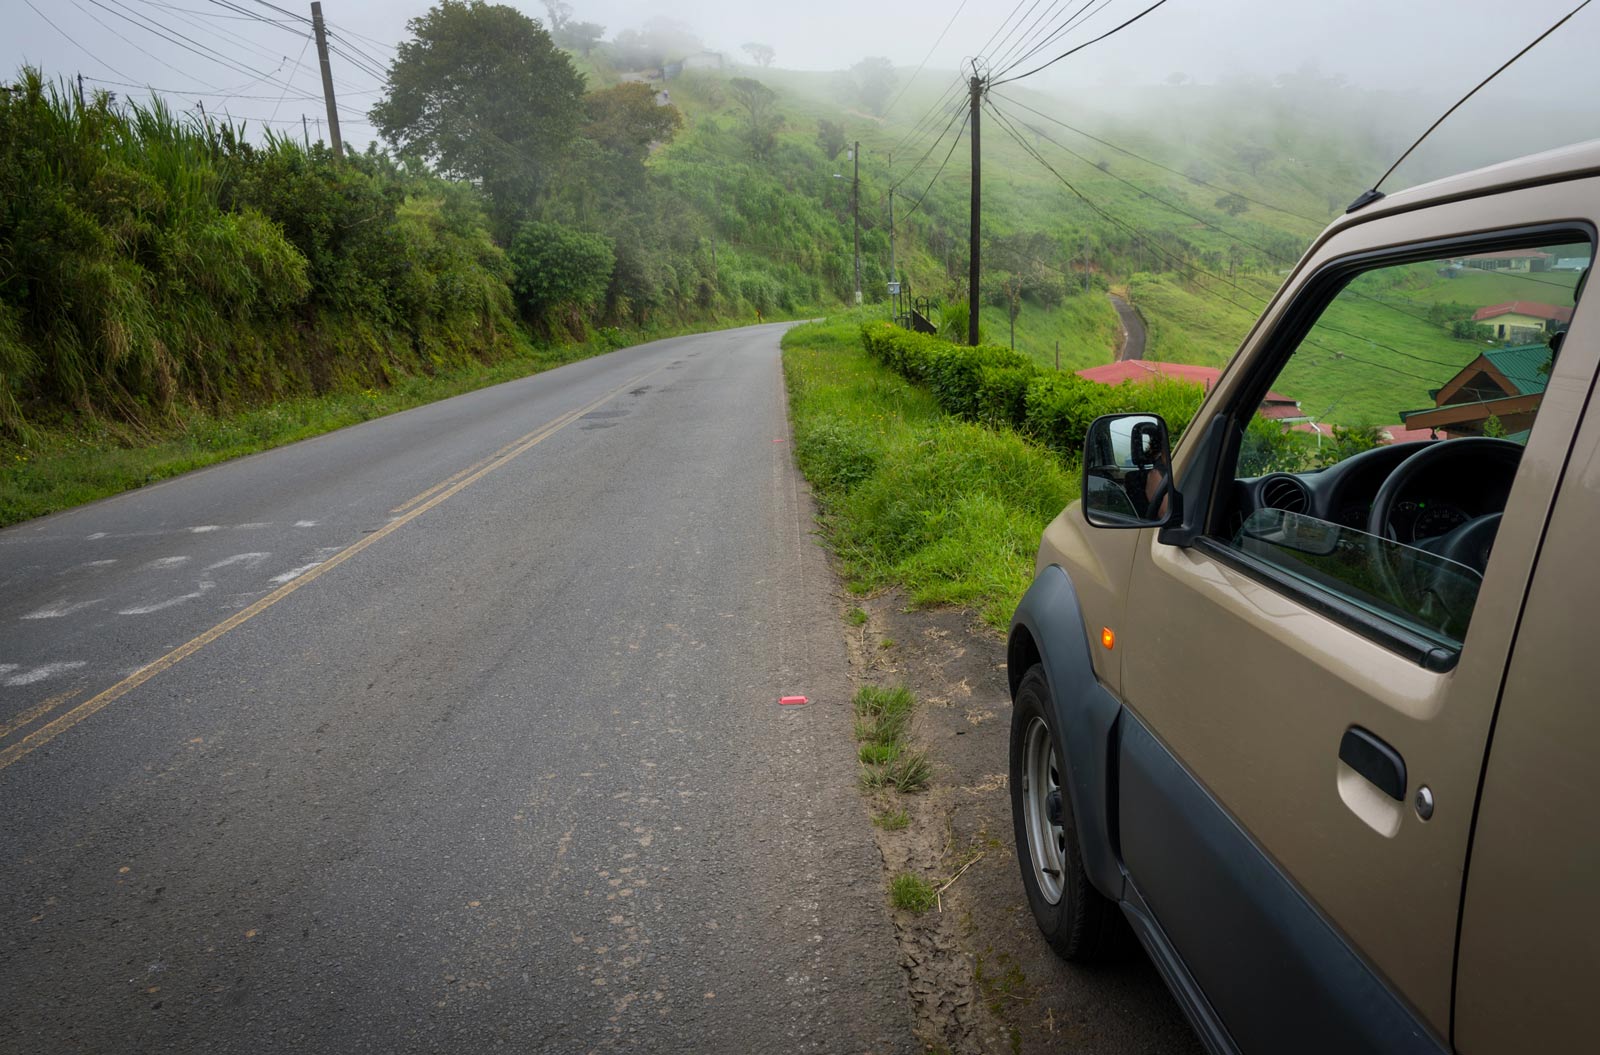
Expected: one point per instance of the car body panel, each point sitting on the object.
(1530, 928)
(1277, 975)
(1248, 692)
(1260, 720)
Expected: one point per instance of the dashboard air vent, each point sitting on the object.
(1285, 493)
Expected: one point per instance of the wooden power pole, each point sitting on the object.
(977, 213)
(855, 214)
(327, 77)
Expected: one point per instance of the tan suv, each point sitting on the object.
(1316, 708)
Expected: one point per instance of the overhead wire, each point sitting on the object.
(1038, 38)
(1093, 40)
(953, 144)
(1079, 17)
(937, 41)
(1186, 265)
(74, 40)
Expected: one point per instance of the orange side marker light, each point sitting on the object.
(1107, 638)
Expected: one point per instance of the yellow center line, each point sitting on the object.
(36, 712)
(90, 707)
(468, 471)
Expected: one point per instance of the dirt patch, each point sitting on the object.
(980, 977)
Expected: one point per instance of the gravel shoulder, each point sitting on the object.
(979, 976)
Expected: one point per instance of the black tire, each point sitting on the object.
(1079, 923)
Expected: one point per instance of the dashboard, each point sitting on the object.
(1439, 502)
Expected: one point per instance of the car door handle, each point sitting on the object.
(1375, 760)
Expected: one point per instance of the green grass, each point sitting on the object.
(952, 511)
(857, 617)
(892, 820)
(911, 893)
(883, 724)
(1085, 325)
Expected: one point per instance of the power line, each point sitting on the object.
(1187, 265)
(1035, 40)
(955, 112)
(1159, 165)
(1095, 40)
(74, 40)
(1067, 25)
(940, 40)
(953, 144)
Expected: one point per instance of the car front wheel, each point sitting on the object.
(1075, 918)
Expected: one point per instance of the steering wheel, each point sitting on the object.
(1467, 545)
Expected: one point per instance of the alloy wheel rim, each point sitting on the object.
(1047, 841)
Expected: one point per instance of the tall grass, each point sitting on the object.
(151, 263)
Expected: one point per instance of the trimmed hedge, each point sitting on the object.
(998, 386)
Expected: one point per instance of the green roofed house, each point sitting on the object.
(1506, 384)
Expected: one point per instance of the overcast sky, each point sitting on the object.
(1439, 48)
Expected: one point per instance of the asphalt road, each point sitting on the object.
(1133, 332)
(454, 731)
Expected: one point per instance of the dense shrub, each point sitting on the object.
(556, 266)
(147, 261)
(997, 386)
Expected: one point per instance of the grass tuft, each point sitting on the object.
(911, 892)
(892, 820)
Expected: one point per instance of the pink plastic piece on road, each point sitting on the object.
(791, 701)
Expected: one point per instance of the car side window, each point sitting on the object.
(1379, 461)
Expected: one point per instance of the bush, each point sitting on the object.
(558, 267)
(1000, 387)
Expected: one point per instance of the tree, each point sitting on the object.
(1253, 157)
(621, 124)
(763, 54)
(762, 120)
(558, 267)
(581, 37)
(560, 13)
(830, 138)
(1232, 204)
(482, 92)
(875, 80)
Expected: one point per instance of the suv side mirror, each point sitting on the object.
(1127, 473)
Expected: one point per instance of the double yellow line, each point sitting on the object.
(409, 510)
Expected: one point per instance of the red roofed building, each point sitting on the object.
(1522, 319)
(1276, 405)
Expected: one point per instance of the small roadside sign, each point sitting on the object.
(894, 289)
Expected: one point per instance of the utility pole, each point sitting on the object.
(80, 91)
(327, 77)
(894, 272)
(305, 131)
(855, 214)
(977, 213)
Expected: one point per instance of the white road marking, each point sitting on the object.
(7, 668)
(295, 573)
(49, 670)
(167, 562)
(97, 534)
(203, 528)
(253, 526)
(249, 560)
(202, 589)
(305, 523)
(101, 563)
(62, 608)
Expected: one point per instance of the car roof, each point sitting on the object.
(1579, 159)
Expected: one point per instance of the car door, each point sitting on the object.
(1529, 957)
(1280, 722)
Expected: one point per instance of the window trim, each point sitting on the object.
(1276, 348)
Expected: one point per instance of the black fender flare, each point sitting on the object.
(1048, 628)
